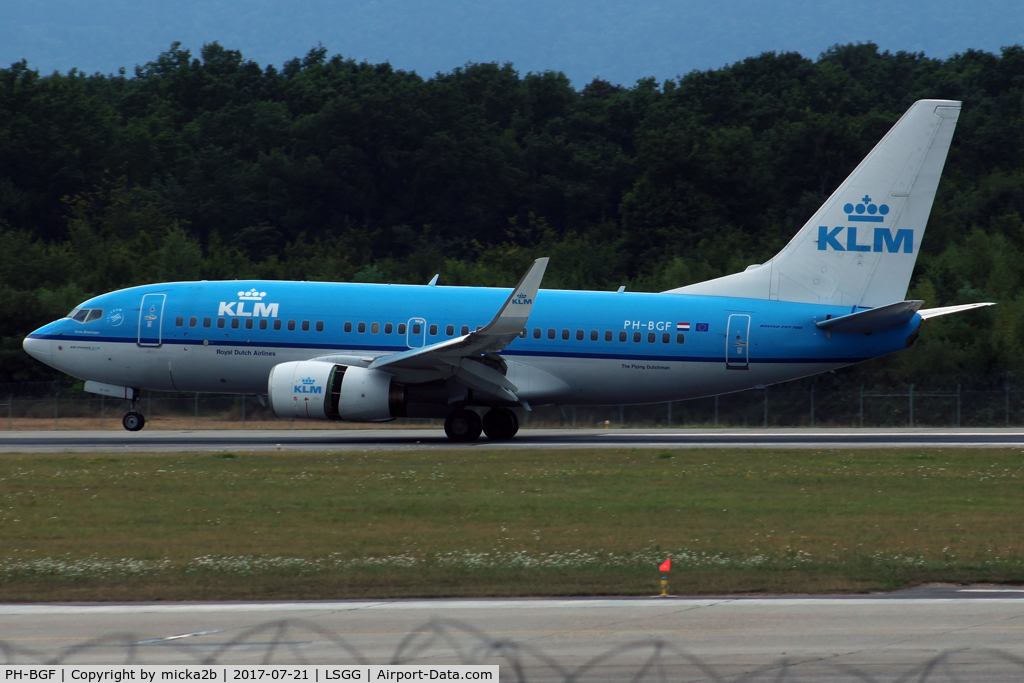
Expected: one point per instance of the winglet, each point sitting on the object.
(498, 334)
(512, 317)
(433, 280)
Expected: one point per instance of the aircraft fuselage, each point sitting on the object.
(580, 347)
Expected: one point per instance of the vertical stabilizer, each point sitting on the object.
(860, 247)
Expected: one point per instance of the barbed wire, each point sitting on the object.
(449, 641)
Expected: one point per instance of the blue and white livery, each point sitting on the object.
(366, 353)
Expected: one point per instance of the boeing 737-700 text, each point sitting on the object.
(368, 353)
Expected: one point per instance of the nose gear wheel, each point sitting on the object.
(133, 421)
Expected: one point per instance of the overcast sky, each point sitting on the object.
(612, 39)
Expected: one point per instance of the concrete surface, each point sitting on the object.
(933, 634)
(395, 439)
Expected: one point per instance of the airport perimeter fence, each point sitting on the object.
(441, 641)
(853, 400)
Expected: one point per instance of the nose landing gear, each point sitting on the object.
(133, 420)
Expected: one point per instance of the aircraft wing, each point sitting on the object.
(461, 357)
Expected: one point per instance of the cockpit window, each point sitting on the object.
(85, 315)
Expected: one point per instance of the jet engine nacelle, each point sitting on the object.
(314, 390)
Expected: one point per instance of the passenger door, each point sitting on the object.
(151, 317)
(736, 346)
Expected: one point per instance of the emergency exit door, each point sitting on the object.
(416, 335)
(151, 318)
(736, 347)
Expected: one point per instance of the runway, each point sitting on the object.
(398, 439)
(932, 634)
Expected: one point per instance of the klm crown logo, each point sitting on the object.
(309, 380)
(253, 295)
(875, 214)
(522, 300)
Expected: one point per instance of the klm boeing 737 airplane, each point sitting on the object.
(478, 357)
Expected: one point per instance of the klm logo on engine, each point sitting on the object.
(879, 240)
(259, 309)
(308, 386)
(522, 300)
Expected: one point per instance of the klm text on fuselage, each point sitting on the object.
(260, 310)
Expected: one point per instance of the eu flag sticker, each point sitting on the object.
(702, 327)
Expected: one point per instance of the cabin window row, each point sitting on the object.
(432, 330)
(417, 328)
(250, 323)
(652, 337)
(375, 328)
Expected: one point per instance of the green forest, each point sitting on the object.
(211, 166)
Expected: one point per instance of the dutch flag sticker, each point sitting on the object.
(683, 327)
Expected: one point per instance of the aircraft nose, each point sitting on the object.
(37, 348)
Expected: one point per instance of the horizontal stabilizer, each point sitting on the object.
(873, 319)
(946, 310)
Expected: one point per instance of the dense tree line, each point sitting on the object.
(215, 167)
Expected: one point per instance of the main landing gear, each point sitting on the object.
(133, 420)
(499, 424)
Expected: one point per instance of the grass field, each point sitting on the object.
(518, 522)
